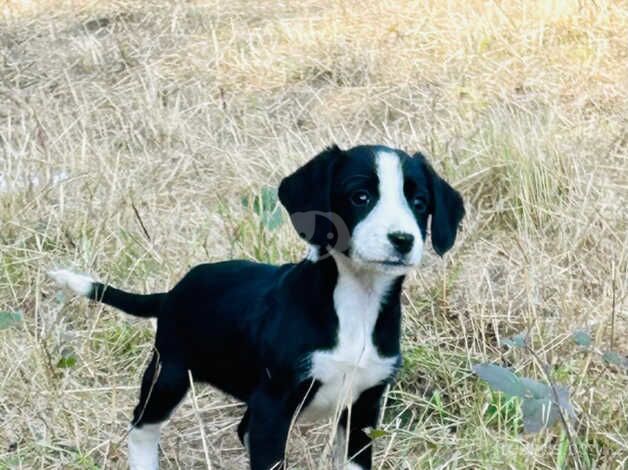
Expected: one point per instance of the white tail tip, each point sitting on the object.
(79, 283)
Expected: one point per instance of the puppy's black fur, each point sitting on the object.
(249, 328)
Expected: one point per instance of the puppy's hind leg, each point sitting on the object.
(163, 387)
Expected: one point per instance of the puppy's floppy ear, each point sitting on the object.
(447, 211)
(306, 196)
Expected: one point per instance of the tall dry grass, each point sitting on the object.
(171, 112)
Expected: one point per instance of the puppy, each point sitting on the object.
(311, 338)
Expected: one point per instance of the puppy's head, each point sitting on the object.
(372, 203)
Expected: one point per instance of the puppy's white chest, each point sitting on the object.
(354, 364)
(345, 373)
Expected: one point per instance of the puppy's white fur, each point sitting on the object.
(391, 213)
(144, 447)
(81, 284)
(354, 364)
(312, 253)
(353, 466)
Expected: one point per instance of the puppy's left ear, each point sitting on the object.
(447, 211)
(306, 196)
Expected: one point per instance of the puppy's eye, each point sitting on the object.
(361, 197)
(419, 204)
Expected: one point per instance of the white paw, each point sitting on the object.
(144, 447)
(79, 283)
(353, 466)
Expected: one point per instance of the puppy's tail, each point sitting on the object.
(139, 305)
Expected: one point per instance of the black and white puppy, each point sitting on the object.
(312, 338)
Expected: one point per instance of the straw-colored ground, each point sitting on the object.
(176, 110)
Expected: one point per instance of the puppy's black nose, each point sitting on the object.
(402, 241)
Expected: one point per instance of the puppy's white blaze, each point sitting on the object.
(391, 213)
(144, 447)
(79, 283)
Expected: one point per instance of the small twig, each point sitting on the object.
(141, 222)
(200, 421)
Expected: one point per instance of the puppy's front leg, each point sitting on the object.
(364, 414)
(270, 411)
(268, 427)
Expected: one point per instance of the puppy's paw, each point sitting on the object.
(79, 283)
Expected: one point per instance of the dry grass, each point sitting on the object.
(180, 109)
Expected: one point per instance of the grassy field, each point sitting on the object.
(131, 131)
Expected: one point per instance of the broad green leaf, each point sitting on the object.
(582, 338)
(272, 220)
(265, 201)
(8, 319)
(538, 406)
(266, 206)
(535, 389)
(542, 412)
(539, 390)
(501, 379)
(564, 401)
(268, 198)
(538, 413)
